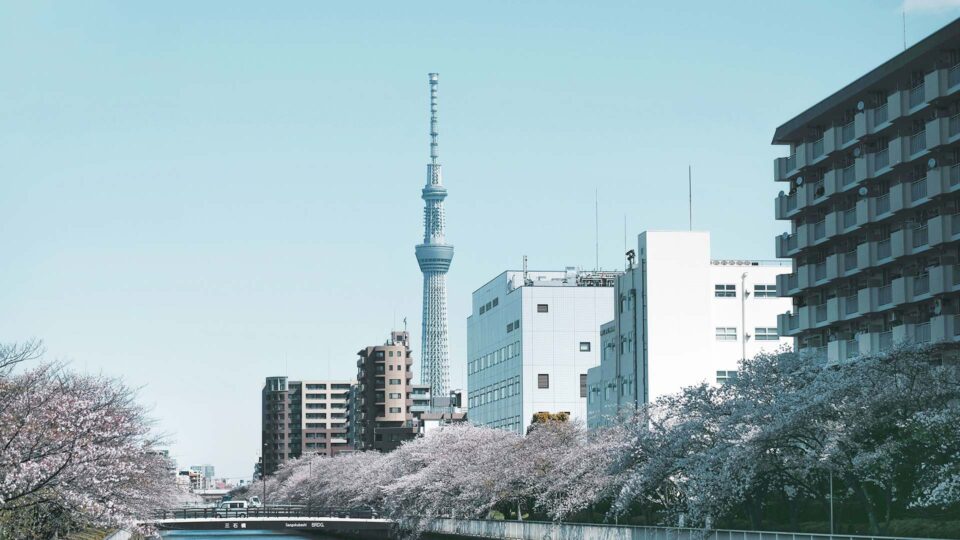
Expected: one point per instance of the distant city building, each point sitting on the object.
(206, 473)
(871, 189)
(531, 338)
(302, 418)
(434, 256)
(384, 395)
(682, 319)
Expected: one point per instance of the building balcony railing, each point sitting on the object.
(852, 348)
(848, 175)
(920, 236)
(883, 204)
(820, 271)
(792, 162)
(953, 76)
(886, 340)
(885, 295)
(820, 313)
(849, 218)
(921, 332)
(918, 189)
(884, 250)
(954, 125)
(921, 284)
(918, 142)
(819, 229)
(817, 148)
(880, 115)
(847, 132)
(916, 96)
(881, 159)
(850, 261)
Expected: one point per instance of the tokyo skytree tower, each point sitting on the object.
(434, 256)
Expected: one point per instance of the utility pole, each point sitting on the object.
(831, 501)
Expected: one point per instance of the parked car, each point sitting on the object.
(232, 509)
(254, 502)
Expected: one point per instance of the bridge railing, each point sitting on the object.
(286, 511)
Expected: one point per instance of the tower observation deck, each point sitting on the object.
(434, 256)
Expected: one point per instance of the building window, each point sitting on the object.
(395, 395)
(394, 381)
(765, 334)
(728, 333)
(726, 376)
(725, 291)
(584, 346)
(765, 291)
(483, 309)
(543, 381)
(495, 302)
(543, 308)
(394, 409)
(583, 385)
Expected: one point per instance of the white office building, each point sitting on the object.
(531, 338)
(682, 319)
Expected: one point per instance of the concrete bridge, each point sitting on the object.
(271, 519)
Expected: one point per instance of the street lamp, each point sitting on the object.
(263, 477)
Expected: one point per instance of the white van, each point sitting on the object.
(232, 509)
(254, 502)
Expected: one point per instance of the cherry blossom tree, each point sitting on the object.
(75, 450)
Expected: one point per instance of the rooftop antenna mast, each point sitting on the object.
(596, 226)
(904, 26)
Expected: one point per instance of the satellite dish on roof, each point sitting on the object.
(799, 181)
(931, 163)
(862, 191)
(860, 105)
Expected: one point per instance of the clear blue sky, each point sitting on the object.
(196, 195)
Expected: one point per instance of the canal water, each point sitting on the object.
(239, 535)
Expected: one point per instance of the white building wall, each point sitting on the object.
(670, 330)
(506, 393)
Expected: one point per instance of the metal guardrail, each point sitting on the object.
(539, 530)
(287, 511)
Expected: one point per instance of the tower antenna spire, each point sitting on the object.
(434, 79)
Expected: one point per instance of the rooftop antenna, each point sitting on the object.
(596, 225)
(526, 280)
(690, 193)
(904, 26)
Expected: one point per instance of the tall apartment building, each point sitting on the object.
(681, 319)
(871, 193)
(383, 401)
(531, 338)
(301, 418)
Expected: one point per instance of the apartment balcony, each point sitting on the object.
(908, 289)
(943, 328)
(784, 167)
(938, 132)
(838, 180)
(918, 333)
(909, 241)
(943, 279)
(787, 245)
(916, 97)
(814, 354)
(812, 275)
(842, 308)
(936, 84)
(867, 300)
(787, 285)
(878, 118)
(786, 205)
(840, 350)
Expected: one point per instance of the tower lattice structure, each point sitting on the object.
(434, 256)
